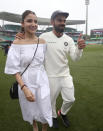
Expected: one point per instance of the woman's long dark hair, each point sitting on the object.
(27, 12)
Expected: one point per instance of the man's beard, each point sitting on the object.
(58, 29)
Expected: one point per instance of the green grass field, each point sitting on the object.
(87, 111)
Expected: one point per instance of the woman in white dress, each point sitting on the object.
(34, 92)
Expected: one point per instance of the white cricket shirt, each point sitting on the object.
(56, 57)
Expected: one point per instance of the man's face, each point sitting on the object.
(59, 23)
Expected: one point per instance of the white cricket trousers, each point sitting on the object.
(63, 85)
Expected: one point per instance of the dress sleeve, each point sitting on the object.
(13, 60)
(44, 48)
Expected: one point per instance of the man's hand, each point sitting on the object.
(19, 36)
(81, 42)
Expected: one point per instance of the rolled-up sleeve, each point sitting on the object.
(12, 65)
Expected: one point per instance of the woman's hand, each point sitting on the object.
(28, 94)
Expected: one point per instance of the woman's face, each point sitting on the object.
(30, 23)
